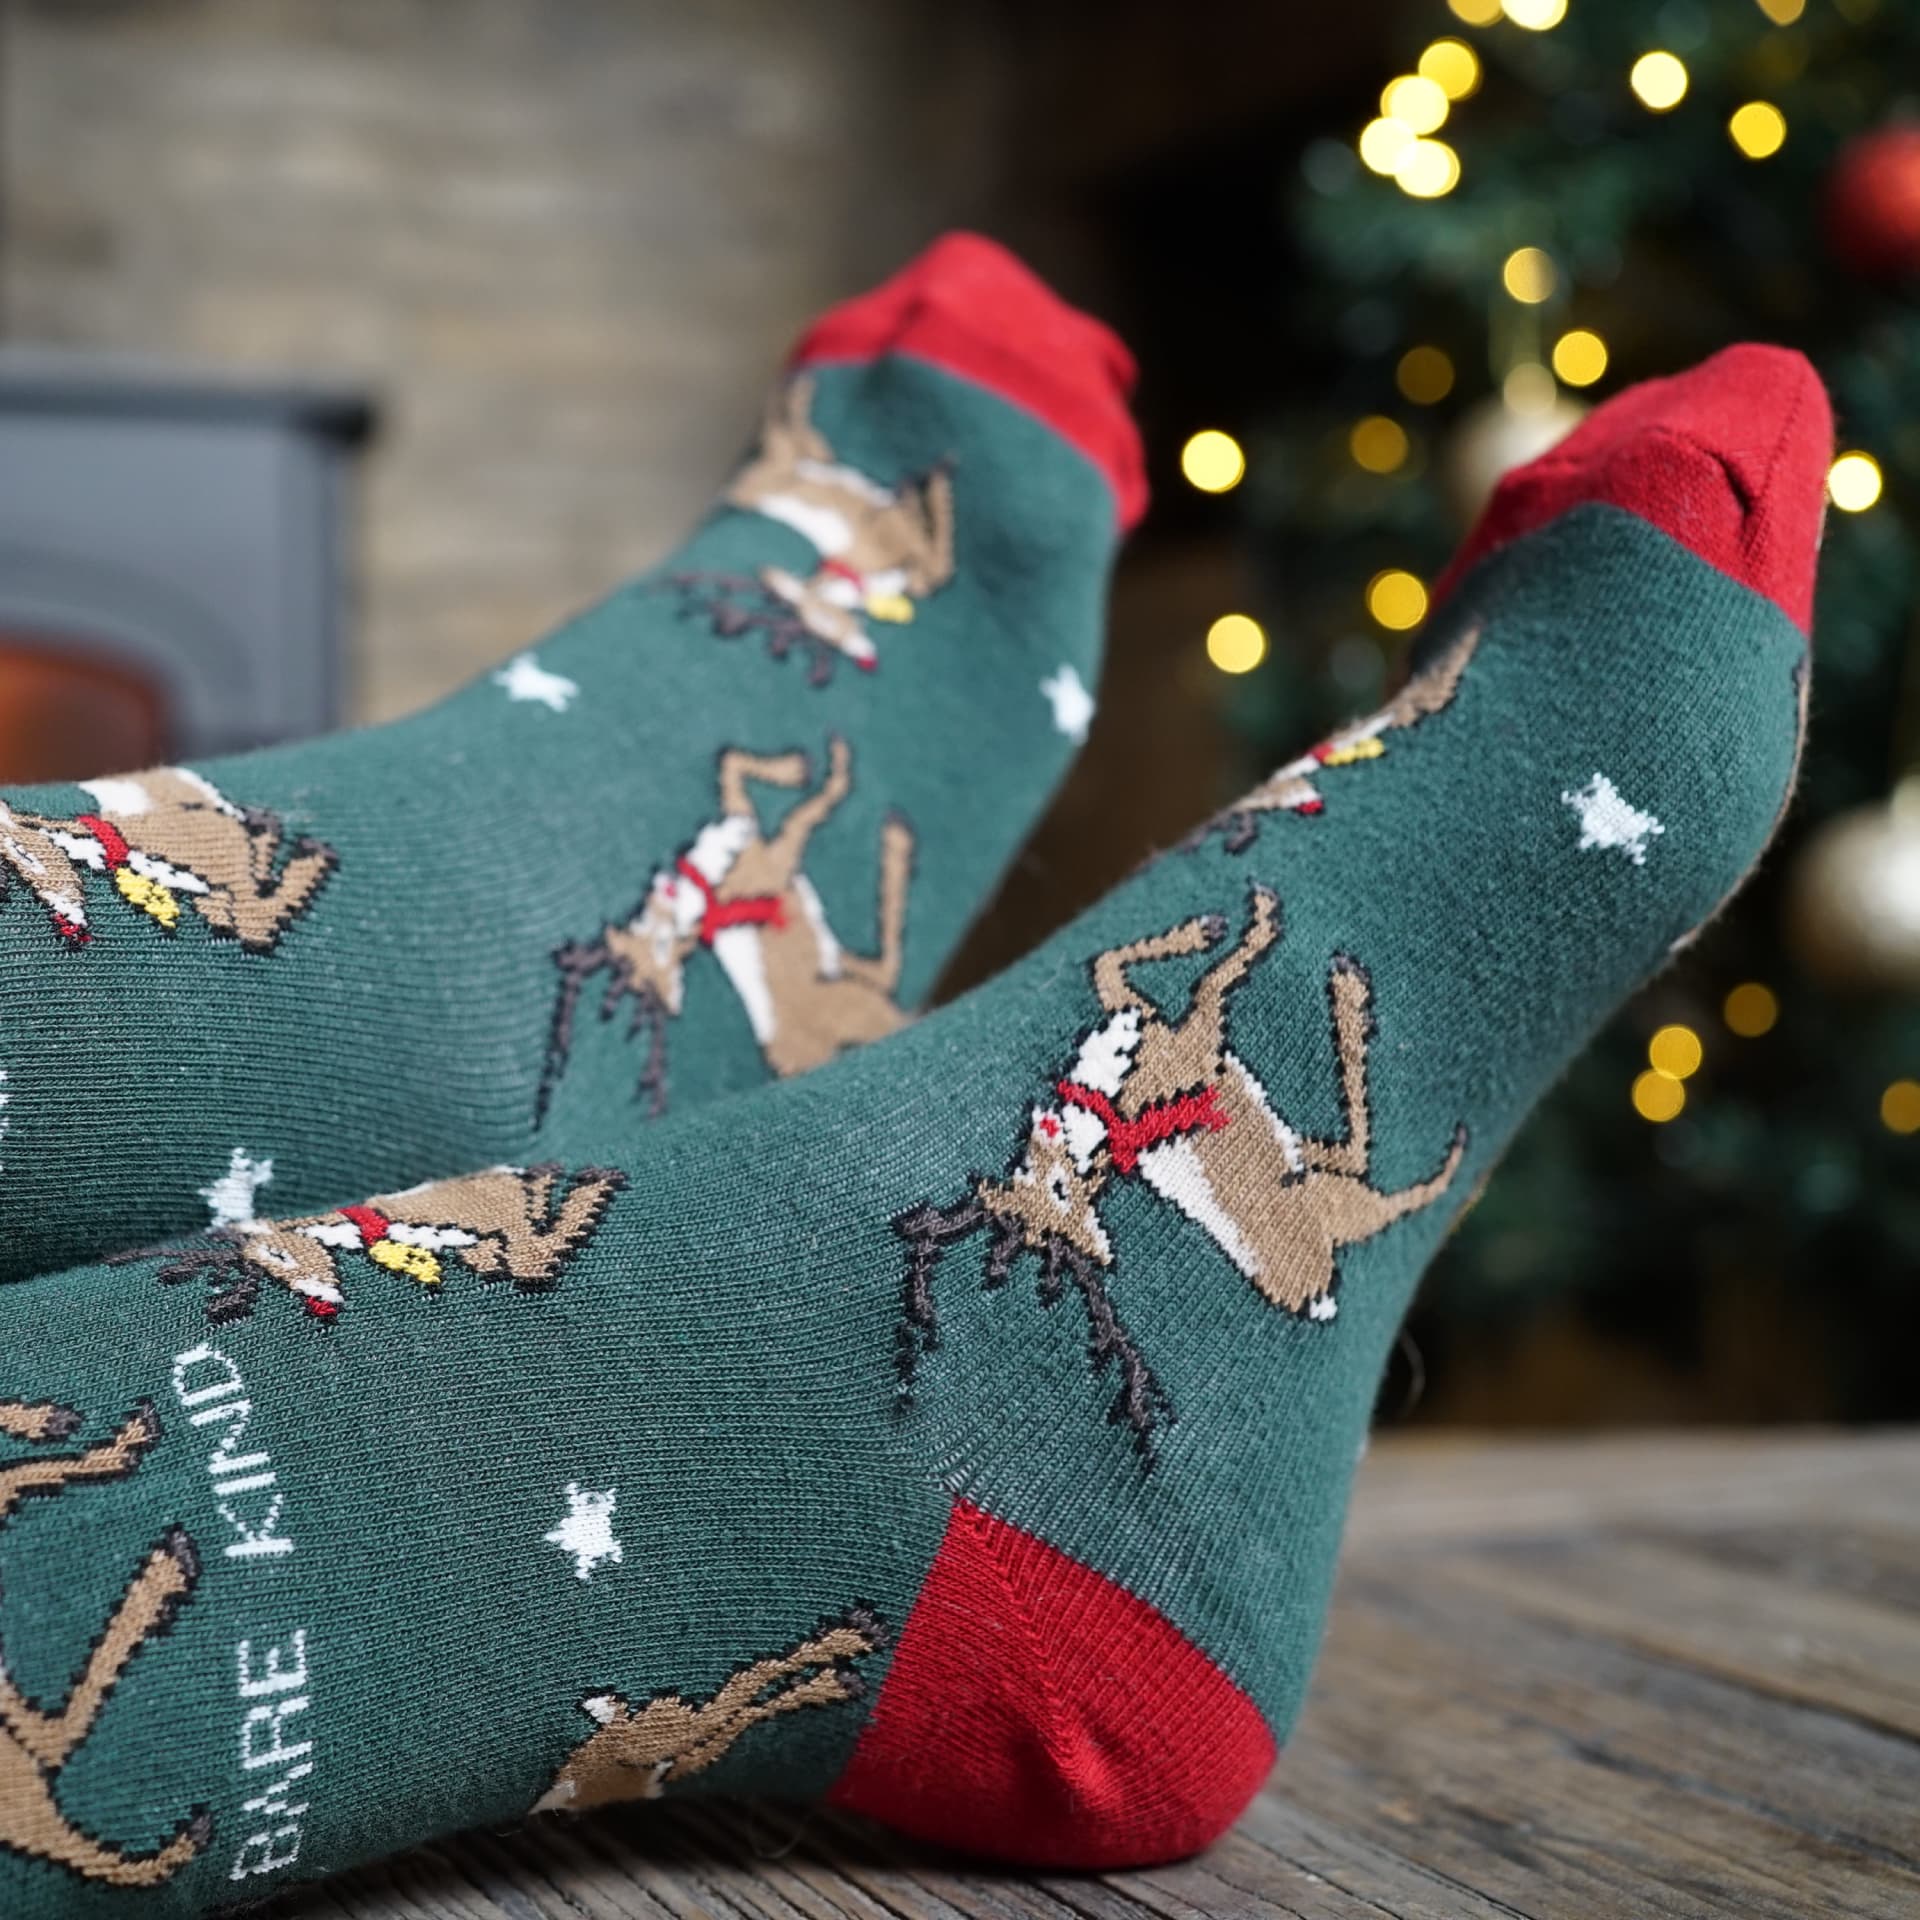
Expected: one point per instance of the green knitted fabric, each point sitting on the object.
(963, 1431)
(387, 954)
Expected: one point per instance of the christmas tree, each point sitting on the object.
(1553, 198)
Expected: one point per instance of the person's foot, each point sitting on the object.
(723, 826)
(963, 1433)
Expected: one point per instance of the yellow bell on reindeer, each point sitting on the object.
(895, 607)
(413, 1263)
(1371, 748)
(149, 896)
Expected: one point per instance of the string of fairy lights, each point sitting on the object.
(1402, 144)
(1750, 1011)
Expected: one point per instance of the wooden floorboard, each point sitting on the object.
(1671, 1675)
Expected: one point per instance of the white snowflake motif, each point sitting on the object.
(1606, 819)
(524, 678)
(587, 1531)
(230, 1199)
(5, 1096)
(1072, 704)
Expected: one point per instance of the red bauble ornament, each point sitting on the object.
(1873, 204)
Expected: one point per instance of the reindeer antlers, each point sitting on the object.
(227, 1260)
(1238, 828)
(928, 1230)
(578, 961)
(737, 603)
(1142, 1404)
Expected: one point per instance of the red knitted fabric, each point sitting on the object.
(1059, 364)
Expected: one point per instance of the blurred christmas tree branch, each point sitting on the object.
(1549, 201)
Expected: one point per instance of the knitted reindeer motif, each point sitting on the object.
(165, 836)
(636, 1753)
(1167, 1102)
(882, 549)
(741, 893)
(37, 1742)
(522, 1224)
(1292, 788)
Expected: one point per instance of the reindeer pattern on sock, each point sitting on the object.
(1293, 788)
(36, 1742)
(523, 1224)
(882, 549)
(1169, 1103)
(742, 893)
(165, 837)
(636, 1753)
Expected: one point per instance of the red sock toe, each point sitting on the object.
(966, 304)
(1037, 1712)
(1730, 459)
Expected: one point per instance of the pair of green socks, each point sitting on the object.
(958, 1428)
(722, 826)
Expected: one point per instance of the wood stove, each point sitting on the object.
(173, 574)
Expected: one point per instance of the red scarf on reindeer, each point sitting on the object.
(371, 1225)
(113, 843)
(1128, 1139)
(755, 910)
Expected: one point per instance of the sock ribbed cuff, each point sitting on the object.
(1729, 459)
(1044, 356)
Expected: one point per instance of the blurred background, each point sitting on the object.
(346, 345)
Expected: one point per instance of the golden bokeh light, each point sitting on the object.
(1236, 643)
(1378, 444)
(1476, 13)
(1783, 13)
(1382, 142)
(1854, 482)
(1426, 169)
(1759, 129)
(1751, 1009)
(1529, 389)
(1530, 275)
(1675, 1051)
(1213, 461)
(1397, 599)
(1900, 1107)
(1579, 357)
(1454, 67)
(1659, 81)
(1424, 375)
(1658, 1097)
(1416, 102)
(1535, 15)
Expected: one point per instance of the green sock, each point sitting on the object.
(724, 825)
(961, 1433)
